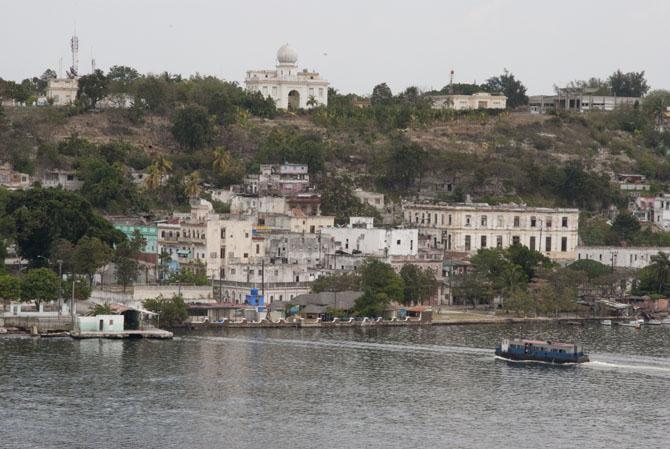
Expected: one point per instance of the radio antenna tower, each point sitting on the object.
(73, 72)
(92, 61)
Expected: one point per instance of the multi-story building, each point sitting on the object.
(373, 199)
(130, 225)
(661, 212)
(62, 91)
(296, 221)
(374, 242)
(468, 227)
(289, 87)
(479, 100)
(283, 179)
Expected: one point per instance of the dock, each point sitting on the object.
(152, 334)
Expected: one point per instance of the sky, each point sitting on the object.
(355, 44)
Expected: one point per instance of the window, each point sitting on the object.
(484, 220)
(312, 229)
(320, 91)
(483, 241)
(547, 245)
(533, 222)
(246, 255)
(516, 221)
(449, 241)
(501, 222)
(532, 243)
(564, 244)
(467, 243)
(547, 221)
(398, 243)
(499, 241)
(564, 222)
(258, 248)
(468, 219)
(449, 219)
(516, 240)
(442, 219)
(311, 91)
(246, 235)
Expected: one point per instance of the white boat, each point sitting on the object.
(653, 323)
(606, 322)
(635, 323)
(665, 321)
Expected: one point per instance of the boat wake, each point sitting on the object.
(648, 368)
(349, 345)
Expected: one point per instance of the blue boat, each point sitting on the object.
(541, 351)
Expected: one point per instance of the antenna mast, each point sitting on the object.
(74, 47)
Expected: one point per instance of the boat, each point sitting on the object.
(665, 321)
(606, 322)
(635, 323)
(541, 351)
(653, 322)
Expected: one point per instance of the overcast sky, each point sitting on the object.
(355, 44)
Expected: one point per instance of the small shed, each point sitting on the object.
(100, 323)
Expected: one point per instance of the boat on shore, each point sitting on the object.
(541, 351)
(637, 324)
(606, 322)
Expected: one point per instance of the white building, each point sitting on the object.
(13, 180)
(661, 213)
(374, 242)
(62, 91)
(65, 179)
(469, 227)
(287, 85)
(620, 257)
(373, 199)
(480, 100)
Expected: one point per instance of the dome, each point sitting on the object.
(287, 55)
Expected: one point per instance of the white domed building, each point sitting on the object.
(287, 85)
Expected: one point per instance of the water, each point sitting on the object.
(343, 388)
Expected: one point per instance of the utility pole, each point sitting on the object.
(263, 277)
(60, 287)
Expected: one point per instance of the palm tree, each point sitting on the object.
(222, 160)
(157, 171)
(153, 180)
(192, 185)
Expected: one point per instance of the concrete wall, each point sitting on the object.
(375, 242)
(620, 257)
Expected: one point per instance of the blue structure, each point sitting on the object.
(148, 231)
(541, 351)
(255, 300)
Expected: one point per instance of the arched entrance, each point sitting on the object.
(293, 100)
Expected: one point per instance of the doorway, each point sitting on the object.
(293, 100)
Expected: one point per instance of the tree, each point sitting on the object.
(631, 84)
(626, 225)
(406, 162)
(509, 86)
(337, 282)
(656, 104)
(191, 127)
(82, 288)
(381, 95)
(38, 218)
(39, 284)
(655, 278)
(420, 284)
(100, 309)
(92, 88)
(338, 199)
(171, 312)
(226, 167)
(125, 259)
(121, 77)
(461, 89)
(472, 288)
(160, 168)
(89, 256)
(381, 285)
(10, 289)
(528, 260)
(108, 186)
(192, 185)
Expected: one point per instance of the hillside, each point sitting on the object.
(538, 159)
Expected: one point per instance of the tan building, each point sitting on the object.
(62, 91)
(480, 100)
(469, 227)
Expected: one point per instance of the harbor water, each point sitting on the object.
(410, 387)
